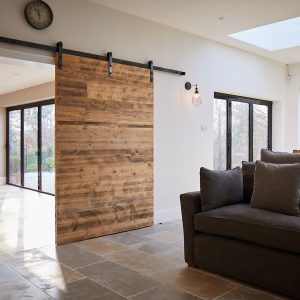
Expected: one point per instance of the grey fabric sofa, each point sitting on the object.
(256, 246)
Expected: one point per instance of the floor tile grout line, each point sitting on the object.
(165, 252)
(27, 279)
(61, 285)
(102, 255)
(70, 267)
(224, 279)
(95, 263)
(126, 249)
(48, 258)
(171, 265)
(227, 279)
(171, 286)
(157, 233)
(100, 237)
(148, 242)
(250, 288)
(103, 285)
(13, 269)
(189, 292)
(233, 289)
(147, 290)
(23, 250)
(126, 232)
(142, 252)
(142, 273)
(129, 247)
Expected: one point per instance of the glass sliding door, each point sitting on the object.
(260, 129)
(30, 151)
(31, 178)
(242, 127)
(47, 127)
(240, 133)
(220, 134)
(14, 145)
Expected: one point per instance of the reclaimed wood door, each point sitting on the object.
(104, 149)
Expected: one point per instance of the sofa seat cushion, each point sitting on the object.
(258, 226)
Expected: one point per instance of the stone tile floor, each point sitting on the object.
(143, 264)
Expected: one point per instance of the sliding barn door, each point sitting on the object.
(104, 149)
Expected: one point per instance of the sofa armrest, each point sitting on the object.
(190, 205)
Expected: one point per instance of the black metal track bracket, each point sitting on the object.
(150, 63)
(59, 49)
(109, 66)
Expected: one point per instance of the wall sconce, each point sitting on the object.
(196, 100)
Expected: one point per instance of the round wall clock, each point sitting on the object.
(38, 14)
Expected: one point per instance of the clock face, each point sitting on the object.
(38, 14)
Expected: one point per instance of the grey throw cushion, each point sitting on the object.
(219, 188)
(277, 188)
(279, 157)
(248, 169)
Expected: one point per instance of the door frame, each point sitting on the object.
(21, 107)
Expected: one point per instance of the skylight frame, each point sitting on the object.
(272, 37)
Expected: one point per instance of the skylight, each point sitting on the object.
(272, 37)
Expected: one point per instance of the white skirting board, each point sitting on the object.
(166, 215)
(2, 180)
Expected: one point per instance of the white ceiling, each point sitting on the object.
(17, 74)
(200, 17)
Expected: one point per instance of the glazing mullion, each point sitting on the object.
(22, 148)
(250, 131)
(229, 133)
(39, 148)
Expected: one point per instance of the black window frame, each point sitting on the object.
(22, 107)
(229, 98)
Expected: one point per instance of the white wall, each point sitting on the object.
(292, 110)
(180, 147)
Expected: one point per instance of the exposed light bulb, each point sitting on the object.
(196, 100)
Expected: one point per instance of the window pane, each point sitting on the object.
(240, 133)
(31, 148)
(48, 171)
(15, 147)
(220, 132)
(260, 129)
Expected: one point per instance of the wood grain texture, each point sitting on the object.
(104, 149)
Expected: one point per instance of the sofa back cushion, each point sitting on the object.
(248, 170)
(220, 188)
(279, 157)
(277, 188)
